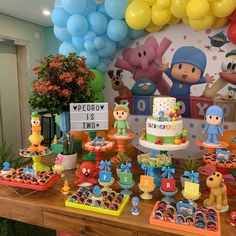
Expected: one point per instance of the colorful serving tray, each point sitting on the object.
(184, 228)
(38, 187)
(97, 209)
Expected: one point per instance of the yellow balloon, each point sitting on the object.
(150, 2)
(219, 22)
(223, 8)
(203, 24)
(174, 20)
(178, 8)
(163, 4)
(197, 9)
(185, 20)
(138, 14)
(153, 28)
(159, 16)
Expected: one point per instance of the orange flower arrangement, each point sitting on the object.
(60, 80)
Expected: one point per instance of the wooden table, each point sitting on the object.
(47, 209)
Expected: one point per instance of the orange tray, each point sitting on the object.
(184, 228)
(38, 187)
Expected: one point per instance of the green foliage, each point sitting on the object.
(191, 164)
(7, 154)
(122, 159)
(68, 146)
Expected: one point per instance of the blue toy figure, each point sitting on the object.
(214, 118)
(187, 68)
(96, 191)
(135, 206)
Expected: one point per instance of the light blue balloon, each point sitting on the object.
(101, 9)
(117, 30)
(58, 3)
(74, 6)
(77, 25)
(109, 48)
(116, 8)
(134, 34)
(90, 6)
(61, 33)
(102, 67)
(78, 42)
(90, 36)
(123, 43)
(89, 46)
(92, 59)
(99, 43)
(66, 48)
(59, 17)
(97, 22)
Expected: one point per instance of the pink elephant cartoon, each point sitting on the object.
(144, 61)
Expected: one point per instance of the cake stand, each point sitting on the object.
(146, 195)
(126, 188)
(106, 185)
(191, 199)
(121, 142)
(91, 156)
(162, 148)
(168, 196)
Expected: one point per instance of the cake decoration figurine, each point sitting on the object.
(86, 174)
(65, 189)
(214, 118)
(105, 176)
(99, 141)
(135, 206)
(6, 166)
(121, 114)
(96, 191)
(218, 193)
(58, 167)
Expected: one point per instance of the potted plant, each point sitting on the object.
(119, 160)
(190, 165)
(61, 80)
(69, 155)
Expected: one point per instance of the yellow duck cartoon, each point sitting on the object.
(65, 189)
(35, 138)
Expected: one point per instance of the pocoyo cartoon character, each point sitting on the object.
(187, 68)
(214, 119)
(144, 60)
(135, 206)
(121, 114)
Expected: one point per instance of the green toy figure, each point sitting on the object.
(121, 114)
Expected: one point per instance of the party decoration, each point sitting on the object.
(98, 22)
(98, 82)
(116, 8)
(117, 30)
(197, 9)
(59, 17)
(105, 165)
(223, 8)
(193, 176)
(231, 33)
(126, 167)
(159, 16)
(74, 6)
(168, 172)
(77, 25)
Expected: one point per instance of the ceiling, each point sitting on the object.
(28, 10)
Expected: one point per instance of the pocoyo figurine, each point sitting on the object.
(135, 206)
(214, 118)
(121, 114)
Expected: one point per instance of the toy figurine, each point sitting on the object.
(121, 114)
(135, 206)
(65, 189)
(35, 138)
(214, 119)
(232, 220)
(218, 194)
(58, 167)
(6, 166)
(99, 141)
(55, 140)
(96, 191)
(187, 68)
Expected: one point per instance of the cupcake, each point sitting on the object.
(229, 164)
(34, 181)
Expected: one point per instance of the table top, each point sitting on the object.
(30, 208)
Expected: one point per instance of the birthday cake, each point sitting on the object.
(166, 124)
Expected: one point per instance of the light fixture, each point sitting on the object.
(46, 12)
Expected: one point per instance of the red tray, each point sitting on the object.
(184, 228)
(38, 187)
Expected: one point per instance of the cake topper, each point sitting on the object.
(121, 114)
(135, 206)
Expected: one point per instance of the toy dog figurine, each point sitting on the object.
(218, 195)
(214, 118)
(135, 206)
(117, 83)
(121, 114)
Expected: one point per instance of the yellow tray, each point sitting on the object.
(97, 209)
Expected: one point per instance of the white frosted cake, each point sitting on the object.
(166, 124)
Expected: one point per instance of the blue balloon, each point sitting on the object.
(117, 30)
(109, 48)
(134, 34)
(90, 6)
(58, 3)
(78, 42)
(98, 22)
(59, 17)
(90, 36)
(89, 46)
(116, 8)
(123, 43)
(74, 6)
(99, 43)
(92, 59)
(61, 33)
(77, 25)
(66, 48)
(101, 9)
(102, 67)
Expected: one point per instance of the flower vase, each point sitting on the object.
(64, 122)
(70, 161)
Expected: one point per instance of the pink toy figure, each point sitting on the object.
(59, 159)
(144, 61)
